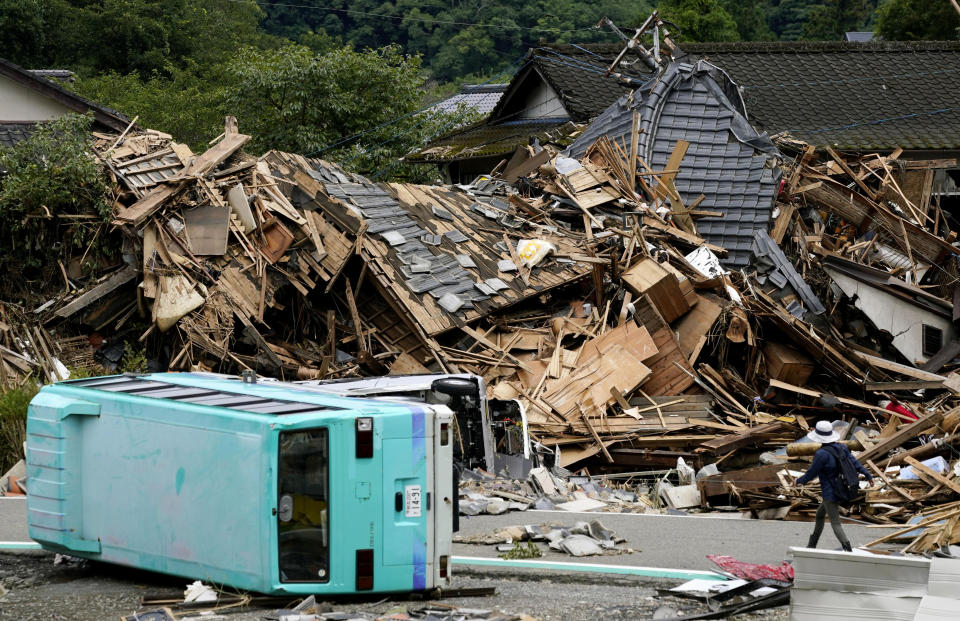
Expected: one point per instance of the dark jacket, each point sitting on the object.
(825, 466)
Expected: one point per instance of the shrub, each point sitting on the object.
(13, 423)
(53, 196)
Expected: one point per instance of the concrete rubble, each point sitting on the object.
(581, 539)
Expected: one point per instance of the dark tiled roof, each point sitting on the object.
(727, 160)
(860, 96)
(12, 133)
(480, 97)
(577, 78)
(485, 140)
(574, 73)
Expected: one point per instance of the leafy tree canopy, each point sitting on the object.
(830, 20)
(700, 20)
(910, 20)
(296, 100)
(146, 36)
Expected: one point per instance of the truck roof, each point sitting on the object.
(271, 398)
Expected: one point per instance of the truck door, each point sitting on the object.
(303, 506)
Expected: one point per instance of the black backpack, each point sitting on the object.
(846, 481)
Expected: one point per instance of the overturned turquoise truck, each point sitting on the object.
(264, 486)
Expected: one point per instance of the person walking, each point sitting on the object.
(827, 468)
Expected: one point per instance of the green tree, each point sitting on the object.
(295, 100)
(833, 18)
(454, 38)
(91, 36)
(911, 20)
(699, 20)
(787, 17)
(31, 29)
(751, 19)
(181, 102)
(45, 179)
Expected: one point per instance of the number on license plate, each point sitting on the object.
(412, 501)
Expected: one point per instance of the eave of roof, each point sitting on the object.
(490, 140)
(101, 114)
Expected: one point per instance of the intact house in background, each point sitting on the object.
(30, 97)
(547, 101)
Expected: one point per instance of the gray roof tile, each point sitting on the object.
(726, 160)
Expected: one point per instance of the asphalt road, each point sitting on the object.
(37, 588)
(13, 519)
(676, 542)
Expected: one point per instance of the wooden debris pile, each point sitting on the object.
(665, 354)
(27, 350)
(583, 291)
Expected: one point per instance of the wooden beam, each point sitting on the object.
(490, 345)
(909, 432)
(883, 477)
(910, 385)
(111, 283)
(930, 476)
(355, 315)
(846, 169)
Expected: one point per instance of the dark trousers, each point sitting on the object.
(828, 507)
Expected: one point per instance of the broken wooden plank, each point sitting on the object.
(908, 432)
(210, 159)
(111, 283)
(751, 435)
(931, 476)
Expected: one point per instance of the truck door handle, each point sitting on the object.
(398, 502)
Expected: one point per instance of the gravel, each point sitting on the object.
(44, 586)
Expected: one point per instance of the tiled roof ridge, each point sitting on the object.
(821, 46)
(585, 49)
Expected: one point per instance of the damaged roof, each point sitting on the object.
(874, 96)
(728, 162)
(488, 140)
(575, 74)
(577, 80)
(435, 252)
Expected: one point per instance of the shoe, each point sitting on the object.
(812, 543)
(846, 546)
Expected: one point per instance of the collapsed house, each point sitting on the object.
(670, 285)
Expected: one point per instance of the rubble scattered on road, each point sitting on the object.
(581, 539)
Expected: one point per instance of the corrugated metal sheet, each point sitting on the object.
(146, 173)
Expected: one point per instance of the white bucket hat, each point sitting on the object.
(824, 433)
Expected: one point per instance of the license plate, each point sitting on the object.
(412, 501)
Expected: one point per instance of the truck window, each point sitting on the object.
(303, 506)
